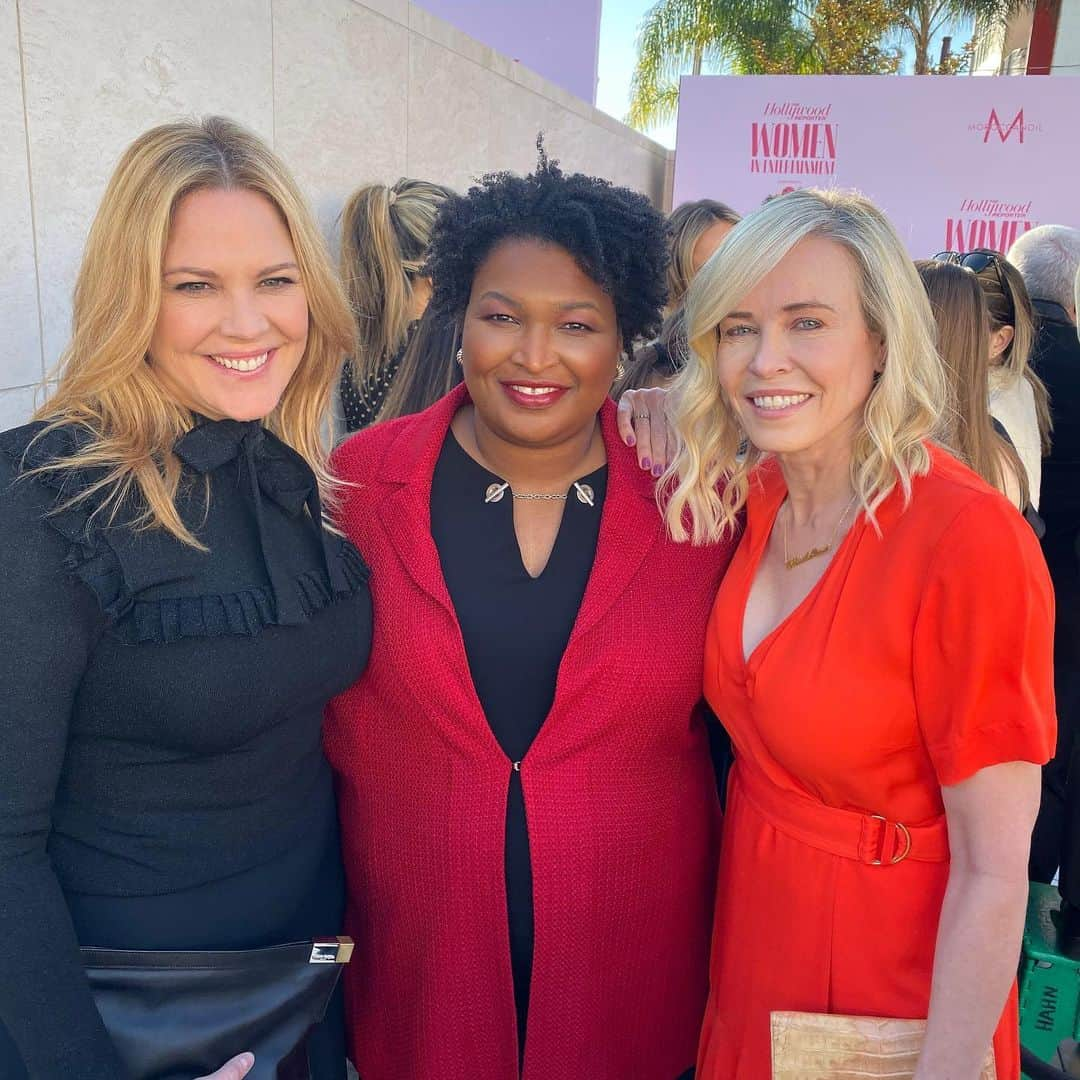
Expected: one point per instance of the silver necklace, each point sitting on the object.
(495, 492)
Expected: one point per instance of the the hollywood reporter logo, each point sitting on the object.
(794, 140)
(1006, 127)
(987, 223)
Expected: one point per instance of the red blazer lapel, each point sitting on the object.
(629, 527)
(406, 472)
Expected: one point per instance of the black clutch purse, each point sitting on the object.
(182, 1015)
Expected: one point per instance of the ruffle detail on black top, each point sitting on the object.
(93, 560)
(244, 612)
(90, 558)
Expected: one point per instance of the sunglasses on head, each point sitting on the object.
(977, 261)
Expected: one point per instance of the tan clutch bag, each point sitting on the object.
(815, 1046)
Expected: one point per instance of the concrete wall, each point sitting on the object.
(346, 91)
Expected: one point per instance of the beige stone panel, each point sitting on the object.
(20, 360)
(450, 104)
(97, 75)
(396, 10)
(578, 144)
(529, 79)
(517, 116)
(634, 167)
(340, 96)
(431, 27)
(16, 406)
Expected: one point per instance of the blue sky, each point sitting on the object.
(619, 22)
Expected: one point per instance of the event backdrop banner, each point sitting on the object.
(957, 163)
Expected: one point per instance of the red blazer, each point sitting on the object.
(619, 792)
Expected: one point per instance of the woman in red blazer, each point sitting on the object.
(528, 807)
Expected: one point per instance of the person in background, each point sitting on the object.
(528, 803)
(963, 336)
(1018, 398)
(174, 613)
(1076, 294)
(385, 233)
(427, 371)
(1049, 259)
(696, 230)
(887, 600)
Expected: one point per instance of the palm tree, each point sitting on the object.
(678, 36)
(923, 20)
(771, 36)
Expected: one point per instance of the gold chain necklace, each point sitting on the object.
(792, 561)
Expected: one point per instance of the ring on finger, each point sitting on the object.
(642, 416)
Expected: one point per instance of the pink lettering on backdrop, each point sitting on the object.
(994, 124)
(807, 149)
(967, 234)
(955, 163)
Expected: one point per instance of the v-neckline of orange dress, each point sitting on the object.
(771, 480)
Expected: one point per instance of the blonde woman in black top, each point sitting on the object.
(175, 615)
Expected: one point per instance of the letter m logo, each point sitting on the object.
(994, 124)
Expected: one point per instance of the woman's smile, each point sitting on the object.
(246, 364)
(530, 395)
(777, 404)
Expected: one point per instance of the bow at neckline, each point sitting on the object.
(274, 470)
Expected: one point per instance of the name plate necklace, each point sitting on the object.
(792, 561)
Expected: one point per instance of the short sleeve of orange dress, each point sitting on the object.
(983, 645)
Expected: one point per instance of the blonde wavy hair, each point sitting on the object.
(106, 385)
(706, 484)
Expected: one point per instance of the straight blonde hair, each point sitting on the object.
(1009, 304)
(707, 482)
(963, 323)
(385, 233)
(687, 223)
(106, 384)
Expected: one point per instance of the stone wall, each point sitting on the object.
(347, 92)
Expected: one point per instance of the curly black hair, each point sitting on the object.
(614, 234)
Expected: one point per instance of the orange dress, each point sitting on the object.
(921, 656)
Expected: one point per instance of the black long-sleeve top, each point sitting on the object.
(515, 629)
(160, 715)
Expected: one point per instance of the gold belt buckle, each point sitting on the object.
(905, 835)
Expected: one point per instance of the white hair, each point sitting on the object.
(1048, 258)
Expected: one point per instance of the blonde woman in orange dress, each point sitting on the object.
(879, 650)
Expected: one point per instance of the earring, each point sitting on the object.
(458, 357)
(620, 370)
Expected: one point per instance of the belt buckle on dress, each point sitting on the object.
(905, 835)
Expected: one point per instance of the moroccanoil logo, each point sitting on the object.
(1005, 127)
